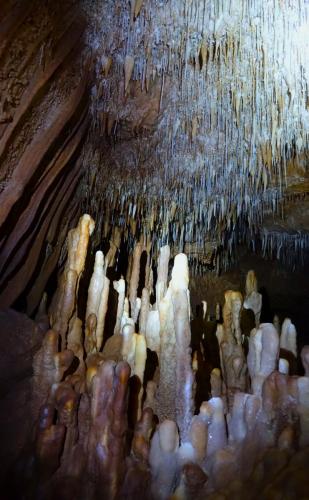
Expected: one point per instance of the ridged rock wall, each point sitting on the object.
(44, 74)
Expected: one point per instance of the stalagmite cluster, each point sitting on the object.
(114, 409)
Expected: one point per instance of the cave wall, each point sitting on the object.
(44, 75)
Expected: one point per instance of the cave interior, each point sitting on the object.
(154, 249)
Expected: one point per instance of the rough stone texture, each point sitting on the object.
(198, 141)
(43, 124)
(155, 160)
(20, 338)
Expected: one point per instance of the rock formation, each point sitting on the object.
(100, 424)
(154, 245)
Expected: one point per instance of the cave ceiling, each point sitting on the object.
(182, 121)
(201, 122)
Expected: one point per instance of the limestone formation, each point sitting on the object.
(153, 223)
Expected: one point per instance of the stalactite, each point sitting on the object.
(219, 65)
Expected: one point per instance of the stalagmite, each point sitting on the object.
(49, 443)
(238, 425)
(98, 296)
(66, 403)
(120, 287)
(129, 345)
(235, 370)
(96, 285)
(232, 357)
(152, 332)
(163, 459)
(142, 433)
(288, 338)
(126, 315)
(276, 323)
(283, 366)
(102, 313)
(166, 391)
(231, 316)
(198, 437)
(184, 376)
(135, 279)
(150, 401)
(204, 303)
(64, 303)
(251, 283)
(138, 308)
(78, 243)
(75, 344)
(106, 440)
(161, 284)
(263, 354)
(90, 334)
(212, 412)
(144, 311)
(236, 308)
(216, 383)
(139, 367)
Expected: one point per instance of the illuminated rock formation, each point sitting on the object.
(152, 154)
(253, 299)
(87, 400)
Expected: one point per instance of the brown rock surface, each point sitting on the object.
(20, 338)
